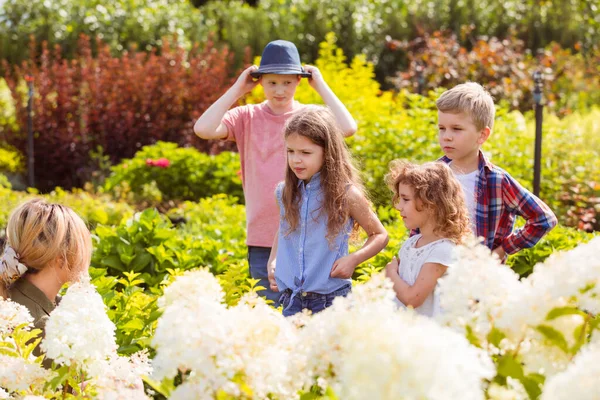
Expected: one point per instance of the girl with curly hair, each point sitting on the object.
(431, 200)
(322, 202)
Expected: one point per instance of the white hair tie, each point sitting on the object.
(10, 267)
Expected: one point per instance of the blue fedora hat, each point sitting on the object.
(280, 57)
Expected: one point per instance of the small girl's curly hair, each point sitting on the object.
(436, 189)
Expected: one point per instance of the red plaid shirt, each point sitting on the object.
(500, 198)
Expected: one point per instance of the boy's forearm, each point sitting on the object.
(539, 218)
(339, 110)
(210, 120)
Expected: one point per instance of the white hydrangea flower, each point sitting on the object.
(199, 284)
(79, 331)
(123, 378)
(367, 349)
(217, 346)
(19, 374)
(476, 291)
(12, 315)
(564, 275)
(581, 380)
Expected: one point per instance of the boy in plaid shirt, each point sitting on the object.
(465, 120)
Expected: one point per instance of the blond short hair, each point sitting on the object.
(40, 232)
(472, 99)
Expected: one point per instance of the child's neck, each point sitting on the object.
(283, 109)
(427, 235)
(465, 165)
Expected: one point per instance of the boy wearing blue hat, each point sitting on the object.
(257, 130)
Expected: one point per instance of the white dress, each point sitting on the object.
(411, 261)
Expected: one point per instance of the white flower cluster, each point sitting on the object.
(364, 348)
(243, 350)
(122, 378)
(564, 276)
(18, 374)
(481, 294)
(79, 331)
(12, 315)
(476, 290)
(581, 380)
(361, 346)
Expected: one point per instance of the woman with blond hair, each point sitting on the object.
(47, 245)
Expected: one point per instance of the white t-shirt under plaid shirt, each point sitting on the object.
(412, 260)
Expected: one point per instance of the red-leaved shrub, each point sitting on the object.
(504, 66)
(119, 103)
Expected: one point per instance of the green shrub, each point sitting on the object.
(219, 224)
(561, 238)
(164, 172)
(149, 244)
(121, 23)
(130, 306)
(364, 25)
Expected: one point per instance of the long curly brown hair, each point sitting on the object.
(437, 189)
(318, 124)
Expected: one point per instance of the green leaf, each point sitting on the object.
(533, 384)
(495, 337)
(509, 366)
(114, 262)
(554, 336)
(165, 387)
(560, 311)
(132, 325)
(140, 261)
(471, 337)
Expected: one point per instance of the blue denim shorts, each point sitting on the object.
(314, 302)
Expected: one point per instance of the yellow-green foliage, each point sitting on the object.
(10, 159)
(92, 208)
(7, 110)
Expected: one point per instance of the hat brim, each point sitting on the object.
(259, 73)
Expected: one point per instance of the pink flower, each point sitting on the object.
(160, 163)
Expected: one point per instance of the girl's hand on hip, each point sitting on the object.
(343, 268)
(271, 275)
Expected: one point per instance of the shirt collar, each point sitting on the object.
(483, 161)
(314, 184)
(31, 291)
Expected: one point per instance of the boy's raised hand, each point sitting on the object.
(316, 80)
(245, 82)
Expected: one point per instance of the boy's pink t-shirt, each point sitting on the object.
(258, 134)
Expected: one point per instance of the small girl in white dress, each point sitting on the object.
(431, 203)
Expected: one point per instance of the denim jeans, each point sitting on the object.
(314, 302)
(258, 257)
